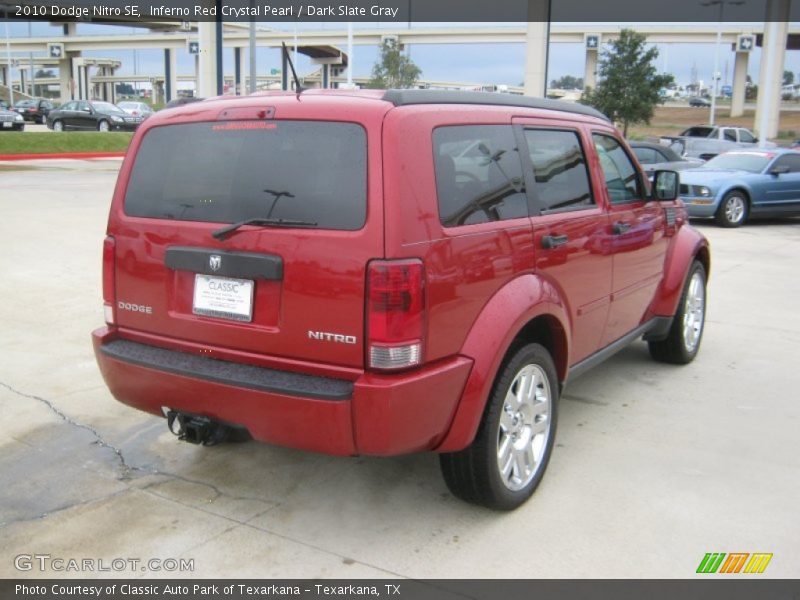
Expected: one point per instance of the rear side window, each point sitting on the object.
(225, 172)
(478, 174)
(559, 167)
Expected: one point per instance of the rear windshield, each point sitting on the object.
(225, 172)
(702, 132)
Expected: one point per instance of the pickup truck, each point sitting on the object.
(706, 141)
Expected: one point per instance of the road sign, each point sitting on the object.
(745, 43)
(193, 47)
(55, 50)
(274, 71)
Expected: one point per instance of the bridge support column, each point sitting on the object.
(773, 52)
(170, 74)
(22, 84)
(65, 80)
(238, 82)
(739, 84)
(4, 75)
(590, 72)
(78, 79)
(207, 71)
(158, 91)
(536, 47)
(326, 76)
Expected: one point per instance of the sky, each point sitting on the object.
(477, 63)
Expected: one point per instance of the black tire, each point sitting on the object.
(58, 124)
(474, 474)
(733, 209)
(674, 348)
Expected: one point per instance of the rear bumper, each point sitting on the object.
(374, 414)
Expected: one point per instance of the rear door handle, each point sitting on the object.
(621, 227)
(553, 241)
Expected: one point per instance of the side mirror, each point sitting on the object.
(781, 170)
(665, 185)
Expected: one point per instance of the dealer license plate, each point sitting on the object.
(7, 124)
(223, 297)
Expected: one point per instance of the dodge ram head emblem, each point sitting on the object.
(215, 262)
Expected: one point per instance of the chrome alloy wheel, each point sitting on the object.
(734, 209)
(694, 312)
(524, 427)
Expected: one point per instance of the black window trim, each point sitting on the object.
(641, 188)
(535, 207)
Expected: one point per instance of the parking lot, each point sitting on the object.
(655, 465)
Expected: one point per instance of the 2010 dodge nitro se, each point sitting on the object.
(389, 272)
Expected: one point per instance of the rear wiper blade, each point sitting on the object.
(229, 229)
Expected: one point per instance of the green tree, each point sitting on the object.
(568, 82)
(630, 86)
(788, 78)
(393, 68)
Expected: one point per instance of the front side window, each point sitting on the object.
(230, 171)
(745, 136)
(647, 156)
(559, 167)
(730, 134)
(478, 174)
(792, 161)
(622, 180)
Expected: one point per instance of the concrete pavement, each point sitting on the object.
(655, 465)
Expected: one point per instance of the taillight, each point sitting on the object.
(109, 293)
(395, 313)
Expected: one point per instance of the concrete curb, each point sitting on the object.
(65, 155)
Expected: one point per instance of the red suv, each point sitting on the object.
(389, 272)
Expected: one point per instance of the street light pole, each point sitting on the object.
(715, 75)
(10, 80)
(350, 54)
(716, 64)
(253, 84)
(30, 56)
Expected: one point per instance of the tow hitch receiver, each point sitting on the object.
(196, 430)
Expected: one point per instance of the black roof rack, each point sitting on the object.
(410, 97)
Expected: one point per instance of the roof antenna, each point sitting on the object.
(297, 87)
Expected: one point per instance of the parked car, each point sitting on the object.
(99, 116)
(137, 109)
(706, 141)
(3, 105)
(698, 102)
(383, 273)
(34, 110)
(11, 121)
(657, 157)
(739, 185)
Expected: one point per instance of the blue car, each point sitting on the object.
(738, 185)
